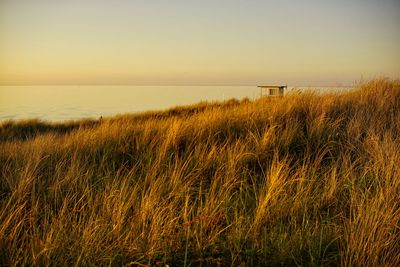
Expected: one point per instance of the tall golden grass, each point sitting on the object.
(301, 180)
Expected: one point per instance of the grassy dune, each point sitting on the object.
(302, 180)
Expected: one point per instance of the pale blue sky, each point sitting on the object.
(236, 42)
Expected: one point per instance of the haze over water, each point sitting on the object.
(59, 103)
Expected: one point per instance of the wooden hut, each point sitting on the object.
(272, 90)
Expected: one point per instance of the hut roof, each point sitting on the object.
(272, 86)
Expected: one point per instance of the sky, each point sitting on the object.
(207, 42)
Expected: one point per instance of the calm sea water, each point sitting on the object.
(59, 103)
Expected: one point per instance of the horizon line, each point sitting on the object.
(165, 85)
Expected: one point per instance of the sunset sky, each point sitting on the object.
(183, 42)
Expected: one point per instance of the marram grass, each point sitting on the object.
(303, 180)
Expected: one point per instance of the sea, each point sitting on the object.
(59, 103)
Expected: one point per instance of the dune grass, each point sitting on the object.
(304, 180)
